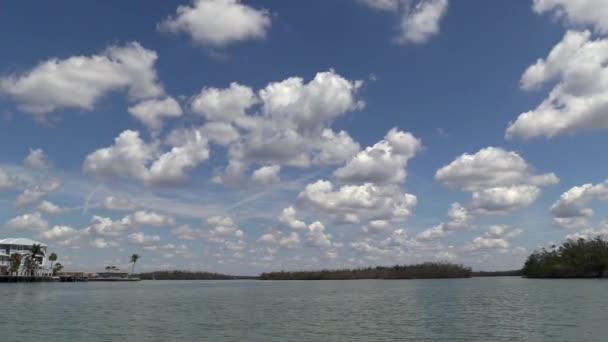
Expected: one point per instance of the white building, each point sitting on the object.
(22, 246)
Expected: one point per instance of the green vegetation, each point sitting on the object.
(186, 275)
(421, 271)
(514, 273)
(134, 259)
(15, 263)
(574, 259)
(57, 268)
(52, 259)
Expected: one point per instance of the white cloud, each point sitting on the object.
(288, 218)
(500, 181)
(421, 21)
(459, 216)
(226, 105)
(140, 238)
(488, 243)
(577, 12)
(131, 157)
(590, 233)
(37, 159)
(29, 197)
(6, 181)
(151, 218)
(353, 203)
(316, 236)
(127, 158)
(503, 200)
(172, 167)
(219, 22)
(490, 167)
(571, 210)
(277, 239)
(32, 221)
(103, 243)
(48, 207)
(118, 203)
(152, 112)
(578, 102)
(105, 226)
(437, 232)
(185, 232)
(59, 232)
(267, 174)
(376, 226)
(384, 5)
(383, 163)
(80, 81)
(221, 133)
(496, 238)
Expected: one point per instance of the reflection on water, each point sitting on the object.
(479, 309)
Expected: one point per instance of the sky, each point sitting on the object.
(245, 136)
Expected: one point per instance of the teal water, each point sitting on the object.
(478, 309)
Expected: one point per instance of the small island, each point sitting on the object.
(581, 258)
(429, 270)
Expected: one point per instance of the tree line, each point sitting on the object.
(429, 270)
(575, 258)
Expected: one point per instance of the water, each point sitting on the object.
(479, 309)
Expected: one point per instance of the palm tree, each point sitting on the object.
(52, 259)
(15, 262)
(134, 259)
(58, 267)
(33, 258)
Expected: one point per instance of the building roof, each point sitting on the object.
(21, 242)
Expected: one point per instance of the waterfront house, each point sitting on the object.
(22, 246)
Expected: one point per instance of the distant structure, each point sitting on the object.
(23, 246)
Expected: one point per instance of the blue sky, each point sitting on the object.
(246, 136)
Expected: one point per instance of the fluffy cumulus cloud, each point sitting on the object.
(500, 181)
(590, 233)
(152, 112)
(496, 238)
(80, 81)
(288, 218)
(285, 123)
(33, 221)
(572, 208)
(355, 203)
(131, 157)
(577, 12)
(140, 238)
(217, 23)
(436, 232)
(59, 233)
(37, 159)
(151, 218)
(420, 19)
(106, 227)
(29, 197)
(385, 162)
(118, 203)
(277, 238)
(50, 208)
(185, 232)
(103, 243)
(578, 70)
(267, 174)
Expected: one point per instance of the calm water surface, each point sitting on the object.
(480, 309)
